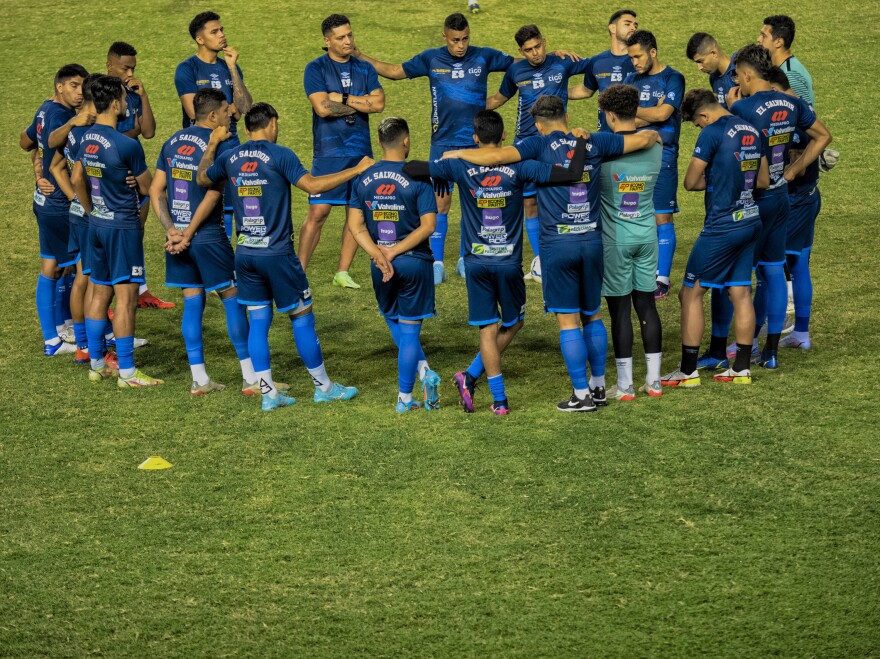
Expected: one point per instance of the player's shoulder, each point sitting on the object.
(602, 57)
(189, 64)
(362, 64)
(316, 63)
(672, 74)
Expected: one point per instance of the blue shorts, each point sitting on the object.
(409, 295)
(54, 228)
(117, 255)
(774, 208)
(78, 243)
(571, 276)
(274, 277)
(209, 265)
(723, 259)
(437, 151)
(339, 195)
(491, 287)
(802, 223)
(666, 189)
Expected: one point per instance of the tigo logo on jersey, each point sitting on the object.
(186, 150)
(386, 189)
(249, 167)
(490, 181)
(779, 115)
(92, 149)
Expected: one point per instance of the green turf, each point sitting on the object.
(720, 521)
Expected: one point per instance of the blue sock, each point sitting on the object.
(722, 312)
(408, 356)
(191, 327)
(496, 387)
(258, 337)
(533, 231)
(62, 300)
(95, 338)
(760, 300)
(227, 221)
(574, 352)
(46, 307)
(237, 326)
(125, 353)
(82, 339)
(394, 326)
(306, 339)
(108, 327)
(666, 244)
(438, 238)
(65, 308)
(802, 289)
(777, 297)
(596, 342)
(476, 368)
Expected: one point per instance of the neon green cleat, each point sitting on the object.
(139, 379)
(202, 390)
(344, 280)
(102, 373)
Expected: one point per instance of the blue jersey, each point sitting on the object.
(721, 83)
(731, 149)
(571, 212)
(71, 154)
(604, 70)
(262, 173)
(393, 204)
(801, 189)
(492, 205)
(551, 78)
(668, 84)
(179, 159)
(134, 108)
(341, 137)
(777, 116)
(458, 89)
(107, 157)
(193, 74)
(50, 116)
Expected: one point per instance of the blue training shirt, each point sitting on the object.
(801, 189)
(134, 108)
(262, 173)
(604, 70)
(668, 84)
(193, 74)
(458, 89)
(71, 154)
(721, 83)
(393, 204)
(49, 116)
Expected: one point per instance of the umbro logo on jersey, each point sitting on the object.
(186, 150)
(92, 149)
(249, 167)
(386, 189)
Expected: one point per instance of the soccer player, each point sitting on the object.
(729, 164)
(343, 91)
(611, 66)
(52, 209)
(539, 73)
(777, 35)
(571, 242)
(266, 266)
(629, 244)
(392, 217)
(704, 51)
(661, 89)
(104, 161)
(458, 74)
(492, 223)
(777, 116)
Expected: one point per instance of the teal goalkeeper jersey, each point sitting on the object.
(627, 197)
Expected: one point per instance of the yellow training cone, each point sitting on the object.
(155, 462)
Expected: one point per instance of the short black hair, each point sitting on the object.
(122, 49)
(776, 76)
(259, 116)
(526, 33)
(695, 100)
(622, 100)
(105, 90)
(69, 71)
(489, 127)
(456, 23)
(642, 38)
(87, 87)
(206, 101)
(755, 57)
(700, 43)
(619, 13)
(333, 21)
(197, 24)
(781, 27)
(392, 130)
(548, 107)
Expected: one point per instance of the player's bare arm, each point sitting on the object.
(358, 229)
(78, 180)
(58, 137)
(146, 123)
(319, 184)
(820, 139)
(58, 168)
(218, 135)
(384, 69)
(241, 97)
(496, 100)
(695, 177)
(428, 222)
(579, 92)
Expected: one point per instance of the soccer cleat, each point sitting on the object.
(203, 389)
(679, 379)
(338, 392)
(103, 373)
(140, 343)
(111, 359)
(61, 348)
(789, 327)
(411, 406)
(465, 393)
(655, 389)
(274, 402)
(82, 356)
(792, 341)
(535, 270)
(148, 300)
(67, 334)
(616, 393)
(474, 7)
(599, 396)
(138, 380)
(575, 404)
(110, 315)
(253, 389)
(528, 276)
(430, 383)
(770, 362)
(439, 273)
(662, 291)
(707, 362)
(737, 377)
(459, 267)
(500, 408)
(344, 280)
(731, 352)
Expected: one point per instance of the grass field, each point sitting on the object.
(735, 522)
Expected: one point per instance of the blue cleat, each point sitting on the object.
(768, 361)
(60, 348)
(272, 403)
(473, 7)
(707, 362)
(429, 386)
(459, 267)
(411, 406)
(439, 273)
(338, 392)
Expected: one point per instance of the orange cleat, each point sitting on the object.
(148, 300)
(111, 360)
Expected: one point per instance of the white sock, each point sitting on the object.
(109, 336)
(790, 291)
(435, 263)
(597, 381)
(320, 378)
(582, 393)
(199, 374)
(755, 343)
(404, 398)
(126, 373)
(653, 359)
(801, 336)
(59, 328)
(624, 373)
(664, 280)
(247, 370)
(142, 289)
(97, 364)
(267, 385)
(53, 342)
(422, 368)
